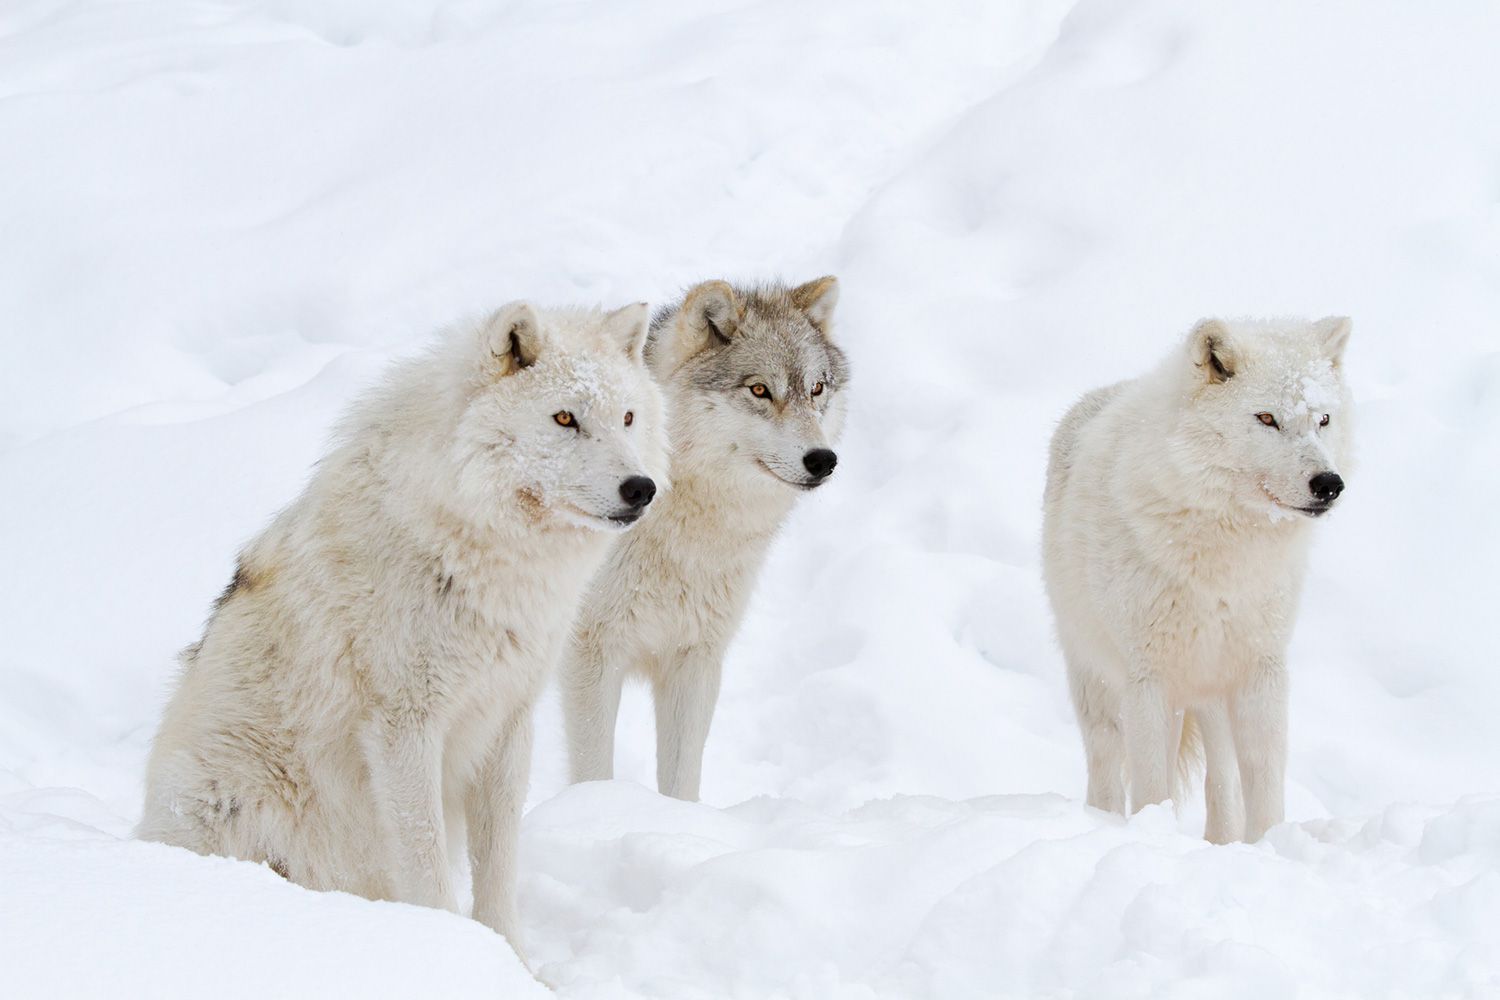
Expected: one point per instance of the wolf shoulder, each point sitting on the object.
(1086, 418)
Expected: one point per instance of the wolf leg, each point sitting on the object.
(1221, 782)
(1258, 718)
(405, 760)
(1098, 711)
(591, 685)
(493, 809)
(685, 693)
(1150, 730)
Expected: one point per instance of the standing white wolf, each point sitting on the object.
(1175, 543)
(364, 687)
(755, 386)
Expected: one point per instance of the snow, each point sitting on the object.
(222, 219)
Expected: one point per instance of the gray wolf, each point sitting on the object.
(756, 389)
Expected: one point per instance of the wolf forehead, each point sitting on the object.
(772, 334)
(1289, 361)
(588, 380)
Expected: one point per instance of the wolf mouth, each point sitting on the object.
(610, 522)
(1313, 511)
(805, 486)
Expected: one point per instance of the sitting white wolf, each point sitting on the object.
(1175, 542)
(365, 684)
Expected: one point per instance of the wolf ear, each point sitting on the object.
(1334, 332)
(817, 299)
(1211, 350)
(511, 340)
(628, 326)
(710, 313)
(713, 310)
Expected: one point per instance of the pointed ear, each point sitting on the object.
(710, 313)
(713, 310)
(1334, 332)
(1212, 351)
(817, 299)
(628, 326)
(510, 340)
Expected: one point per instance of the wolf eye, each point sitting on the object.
(760, 391)
(1268, 419)
(629, 417)
(1324, 421)
(564, 419)
(817, 389)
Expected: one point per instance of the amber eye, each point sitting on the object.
(1324, 421)
(760, 391)
(817, 390)
(564, 419)
(1268, 419)
(629, 417)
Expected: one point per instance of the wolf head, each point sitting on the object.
(561, 416)
(1269, 409)
(756, 382)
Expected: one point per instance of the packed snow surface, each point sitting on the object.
(219, 220)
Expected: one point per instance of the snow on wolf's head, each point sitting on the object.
(1269, 410)
(755, 380)
(560, 416)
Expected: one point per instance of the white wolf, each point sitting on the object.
(364, 688)
(1175, 541)
(755, 386)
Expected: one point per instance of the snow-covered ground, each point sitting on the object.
(218, 220)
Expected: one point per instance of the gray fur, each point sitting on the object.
(670, 597)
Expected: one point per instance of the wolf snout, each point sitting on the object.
(638, 491)
(1326, 486)
(820, 462)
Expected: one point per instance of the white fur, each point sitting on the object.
(1174, 557)
(364, 688)
(671, 595)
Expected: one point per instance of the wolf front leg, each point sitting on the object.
(493, 808)
(591, 682)
(685, 691)
(1098, 711)
(1150, 743)
(404, 756)
(1257, 715)
(1221, 784)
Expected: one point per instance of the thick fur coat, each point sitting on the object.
(1177, 517)
(756, 387)
(363, 691)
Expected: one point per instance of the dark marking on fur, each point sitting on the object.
(239, 582)
(279, 866)
(516, 356)
(531, 506)
(1224, 374)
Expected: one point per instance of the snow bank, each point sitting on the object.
(222, 218)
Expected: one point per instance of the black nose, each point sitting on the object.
(820, 462)
(637, 491)
(1326, 486)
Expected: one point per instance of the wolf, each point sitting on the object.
(1175, 540)
(756, 390)
(362, 694)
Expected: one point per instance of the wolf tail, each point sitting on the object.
(1190, 758)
